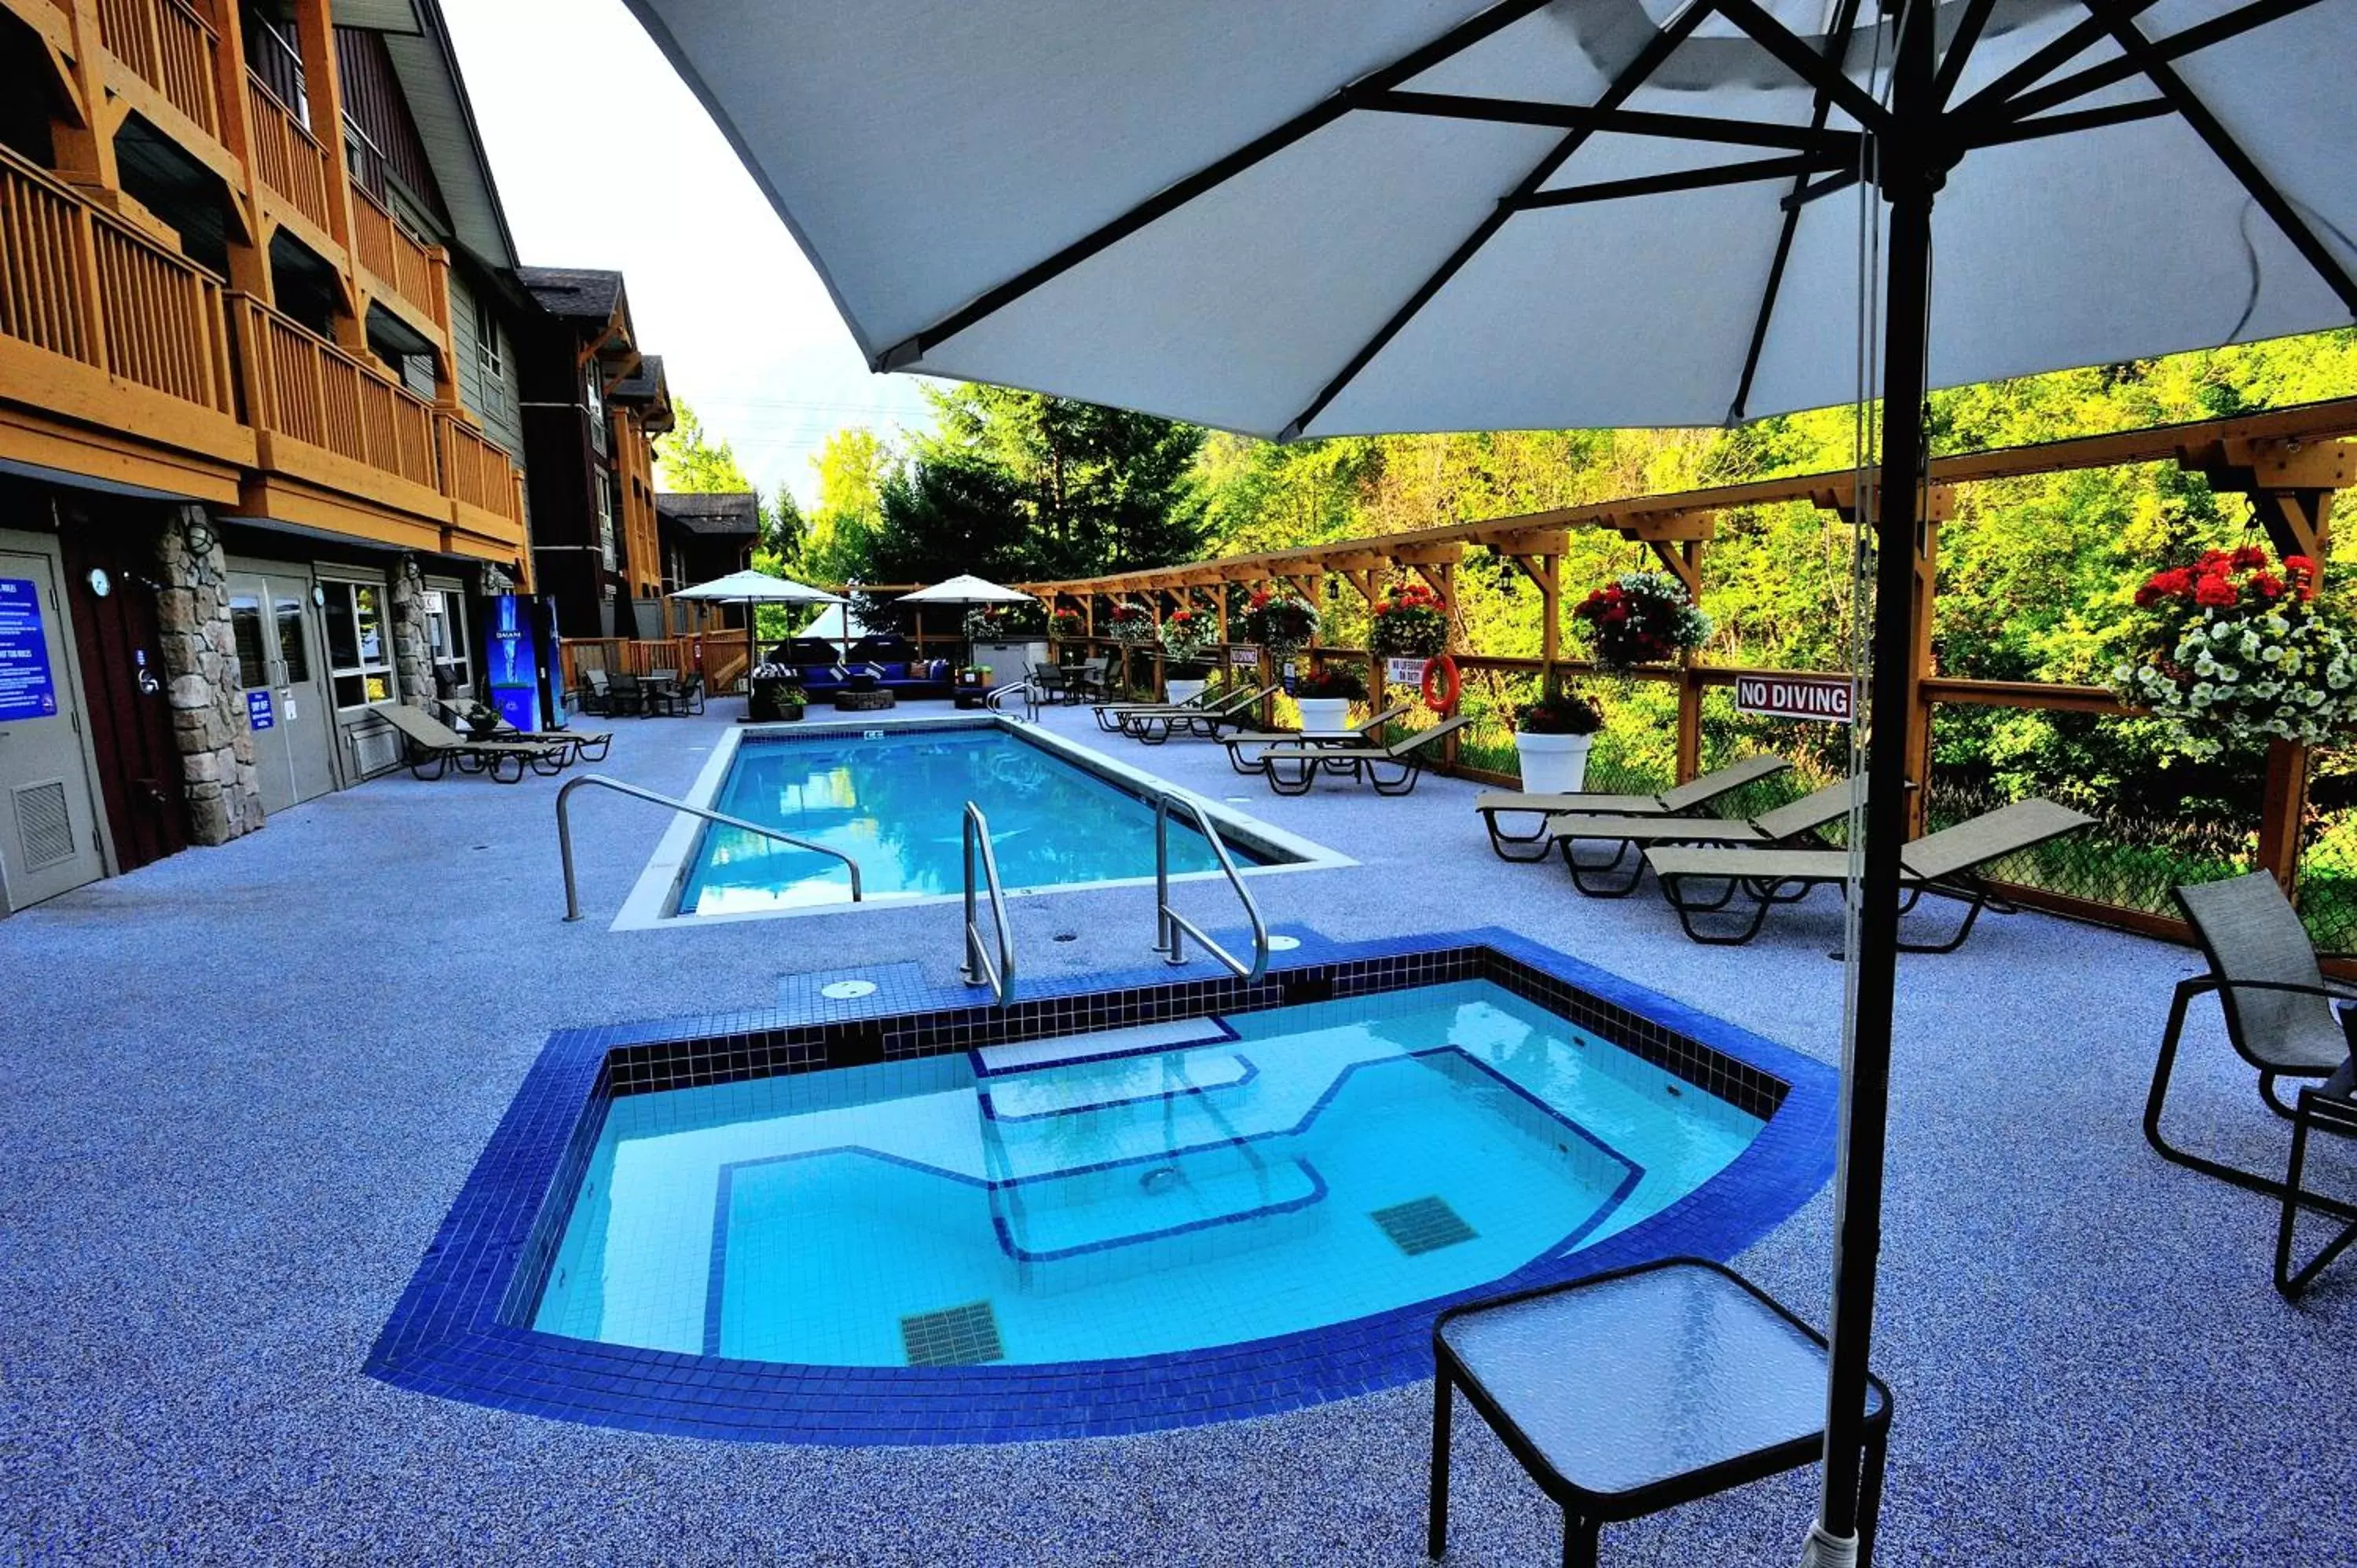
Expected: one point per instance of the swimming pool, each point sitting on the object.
(1093, 1196)
(903, 1217)
(893, 797)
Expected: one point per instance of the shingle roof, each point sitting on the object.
(576, 294)
(648, 384)
(722, 512)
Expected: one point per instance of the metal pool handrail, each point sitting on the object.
(565, 832)
(978, 968)
(1170, 928)
(1030, 698)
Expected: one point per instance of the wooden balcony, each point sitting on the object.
(290, 164)
(170, 54)
(486, 491)
(102, 326)
(407, 277)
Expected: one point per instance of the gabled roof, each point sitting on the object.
(723, 512)
(574, 294)
(418, 41)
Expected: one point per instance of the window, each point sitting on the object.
(605, 490)
(360, 650)
(245, 622)
(593, 396)
(446, 640)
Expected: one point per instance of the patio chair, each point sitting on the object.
(1154, 727)
(1361, 764)
(1362, 735)
(1679, 800)
(682, 694)
(597, 693)
(427, 740)
(1096, 676)
(2279, 1019)
(1795, 825)
(628, 693)
(1109, 716)
(1945, 863)
(584, 745)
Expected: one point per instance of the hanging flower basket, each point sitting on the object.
(1186, 636)
(2233, 649)
(1285, 624)
(1065, 624)
(1131, 624)
(1410, 623)
(1641, 618)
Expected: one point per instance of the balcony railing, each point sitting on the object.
(80, 284)
(477, 473)
(399, 260)
(171, 48)
(305, 388)
(286, 156)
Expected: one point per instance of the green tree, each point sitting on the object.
(853, 467)
(687, 460)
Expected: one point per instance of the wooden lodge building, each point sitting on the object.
(278, 406)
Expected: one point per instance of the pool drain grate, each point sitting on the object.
(1423, 1225)
(955, 1336)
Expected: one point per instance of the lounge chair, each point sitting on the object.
(1679, 800)
(1154, 728)
(427, 741)
(1109, 714)
(1792, 825)
(1945, 863)
(1265, 738)
(1360, 762)
(585, 746)
(2279, 1019)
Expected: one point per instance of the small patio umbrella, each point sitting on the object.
(967, 590)
(1339, 217)
(750, 588)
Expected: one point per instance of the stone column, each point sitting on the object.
(413, 647)
(208, 699)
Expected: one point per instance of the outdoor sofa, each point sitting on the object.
(895, 664)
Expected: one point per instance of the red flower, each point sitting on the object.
(2215, 591)
(2300, 565)
(2269, 585)
(2248, 555)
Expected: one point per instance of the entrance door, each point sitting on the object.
(48, 828)
(286, 694)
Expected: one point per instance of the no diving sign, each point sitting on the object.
(1826, 698)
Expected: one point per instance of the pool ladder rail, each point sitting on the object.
(565, 832)
(980, 968)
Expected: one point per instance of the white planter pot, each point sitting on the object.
(1179, 690)
(1325, 713)
(1554, 764)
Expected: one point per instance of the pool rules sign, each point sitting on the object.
(1828, 699)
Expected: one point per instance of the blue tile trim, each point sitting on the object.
(1021, 1254)
(461, 1330)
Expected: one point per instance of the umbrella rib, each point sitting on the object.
(1657, 50)
(1168, 200)
(1598, 121)
(2228, 151)
(1959, 48)
(1800, 165)
(2068, 45)
(2217, 30)
(1794, 54)
(1836, 47)
(2074, 120)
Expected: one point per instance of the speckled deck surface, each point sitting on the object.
(244, 1085)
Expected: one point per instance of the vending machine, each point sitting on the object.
(521, 648)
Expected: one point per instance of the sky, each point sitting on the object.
(604, 159)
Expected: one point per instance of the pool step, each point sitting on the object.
(1055, 1218)
(1030, 1056)
(1076, 1090)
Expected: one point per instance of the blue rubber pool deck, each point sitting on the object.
(244, 1086)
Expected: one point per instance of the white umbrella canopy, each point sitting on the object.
(758, 588)
(1353, 216)
(967, 590)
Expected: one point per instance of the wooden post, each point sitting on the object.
(1689, 759)
(1939, 505)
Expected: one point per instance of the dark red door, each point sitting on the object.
(129, 712)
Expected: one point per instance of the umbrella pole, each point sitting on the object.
(1910, 179)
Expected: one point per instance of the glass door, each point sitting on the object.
(285, 706)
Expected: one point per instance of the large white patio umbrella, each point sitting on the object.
(749, 588)
(967, 590)
(1353, 216)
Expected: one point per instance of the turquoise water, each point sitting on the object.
(896, 803)
(1327, 1162)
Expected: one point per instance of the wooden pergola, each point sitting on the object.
(2290, 463)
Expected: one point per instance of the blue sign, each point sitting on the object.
(515, 662)
(259, 713)
(27, 691)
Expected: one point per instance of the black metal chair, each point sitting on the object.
(2278, 1013)
(1634, 1392)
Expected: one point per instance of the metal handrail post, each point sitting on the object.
(1171, 927)
(978, 968)
(565, 832)
(1165, 935)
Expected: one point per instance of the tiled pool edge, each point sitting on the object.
(455, 1331)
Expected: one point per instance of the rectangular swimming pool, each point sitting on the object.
(894, 800)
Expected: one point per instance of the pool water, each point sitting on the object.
(896, 803)
(1268, 1172)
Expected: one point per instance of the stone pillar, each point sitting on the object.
(413, 647)
(208, 699)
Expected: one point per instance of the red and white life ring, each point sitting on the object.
(1441, 684)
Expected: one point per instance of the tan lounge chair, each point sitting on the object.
(1794, 825)
(1360, 762)
(1154, 727)
(580, 744)
(1946, 863)
(1361, 735)
(427, 741)
(1679, 800)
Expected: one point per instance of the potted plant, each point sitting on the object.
(2231, 648)
(1410, 623)
(1185, 636)
(1285, 624)
(1325, 697)
(973, 674)
(1553, 736)
(1068, 625)
(773, 697)
(1641, 618)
